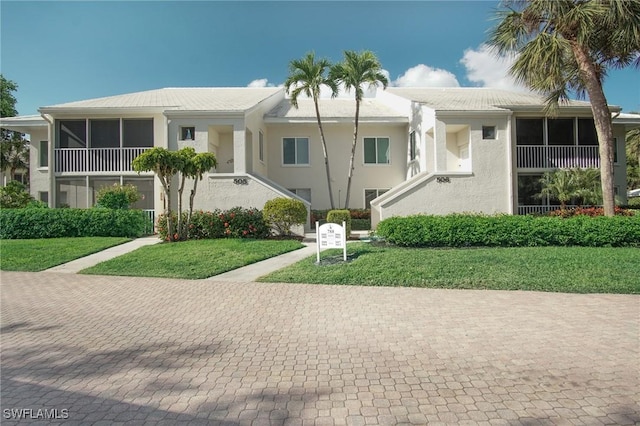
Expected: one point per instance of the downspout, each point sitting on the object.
(51, 142)
(511, 163)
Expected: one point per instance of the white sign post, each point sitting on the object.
(331, 235)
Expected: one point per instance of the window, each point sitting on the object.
(43, 196)
(412, 146)
(376, 150)
(43, 154)
(560, 131)
(137, 132)
(295, 151)
(304, 193)
(72, 134)
(21, 177)
(587, 132)
(370, 194)
(187, 133)
(104, 133)
(615, 150)
(488, 132)
(529, 188)
(260, 146)
(529, 131)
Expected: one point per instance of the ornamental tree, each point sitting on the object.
(185, 164)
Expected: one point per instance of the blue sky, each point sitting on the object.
(66, 51)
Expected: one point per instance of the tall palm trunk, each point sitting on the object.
(324, 152)
(353, 154)
(602, 120)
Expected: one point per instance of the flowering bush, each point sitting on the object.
(588, 211)
(234, 223)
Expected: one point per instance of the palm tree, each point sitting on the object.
(587, 187)
(568, 45)
(307, 76)
(558, 185)
(356, 70)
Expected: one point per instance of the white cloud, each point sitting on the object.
(261, 82)
(425, 76)
(487, 69)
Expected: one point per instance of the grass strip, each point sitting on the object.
(552, 269)
(192, 259)
(40, 254)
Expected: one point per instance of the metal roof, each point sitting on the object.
(474, 98)
(179, 99)
(332, 109)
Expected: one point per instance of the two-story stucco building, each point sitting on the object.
(420, 150)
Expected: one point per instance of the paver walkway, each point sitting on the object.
(116, 350)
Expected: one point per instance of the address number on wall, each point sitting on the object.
(240, 181)
(443, 179)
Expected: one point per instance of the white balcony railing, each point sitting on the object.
(541, 209)
(95, 159)
(557, 157)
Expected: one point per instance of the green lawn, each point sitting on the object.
(558, 269)
(41, 254)
(192, 259)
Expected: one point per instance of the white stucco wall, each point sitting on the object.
(39, 176)
(227, 191)
(486, 189)
(339, 137)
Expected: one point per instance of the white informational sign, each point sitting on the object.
(331, 235)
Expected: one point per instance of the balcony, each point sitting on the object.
(81, 160)
(557, 156)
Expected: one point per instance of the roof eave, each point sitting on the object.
(53, 110)
(334, 120)
(204, 113)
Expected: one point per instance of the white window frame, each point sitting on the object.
(495, 132)
(295, 191)
(261, 146)
(378, 193)
(296, 164)
(413, 146)
(40, 145)
(193, 135)
(364, 138)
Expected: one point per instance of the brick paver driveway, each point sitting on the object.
(117, 349)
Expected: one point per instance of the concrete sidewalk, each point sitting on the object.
(244, 274)
(77, 265)
(264, 267)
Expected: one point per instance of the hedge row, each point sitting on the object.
(360, 218)
(234, 223)
(510, 231)
(56, 223)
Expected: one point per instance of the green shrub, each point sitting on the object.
(117, 196)
(360, 224)
(339, 216)
(510, 231)
(321, 215)
(56, 223)
(234, 223)
(14, 196)
(284, 213)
